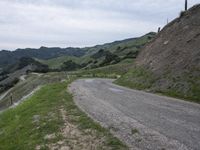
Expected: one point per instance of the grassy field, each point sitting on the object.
(50, 120)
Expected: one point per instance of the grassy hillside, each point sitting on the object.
(123, 46)
(184, 86)
(11, 74)
(27, 85)
(57, 62)
(137, 77)
(112, 53)
(11, 57)
(50, 120)
(103, 55)
(110, 71)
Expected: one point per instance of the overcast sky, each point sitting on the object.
(63, 23)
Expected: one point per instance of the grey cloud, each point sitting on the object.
(80, 22)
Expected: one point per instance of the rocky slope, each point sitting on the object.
(177, 47)
(170, 63)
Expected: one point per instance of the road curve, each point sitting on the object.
(141, 120)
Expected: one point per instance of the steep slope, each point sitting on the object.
(170, 63)
(176, 47)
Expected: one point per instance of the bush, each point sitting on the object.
(3, 77)
(182, 13)
(9, 85)
(110, 59)
(70, 66)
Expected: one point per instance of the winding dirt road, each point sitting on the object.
(141, 120)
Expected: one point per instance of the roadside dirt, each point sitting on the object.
(74, 138)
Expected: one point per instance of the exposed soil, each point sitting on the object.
(74, 138)
(174, 57)
(177, 47)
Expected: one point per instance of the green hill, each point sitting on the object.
(57, 62)
(11, 57)
(106, 54)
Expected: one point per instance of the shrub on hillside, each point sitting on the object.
(110, 59)
(4, 87)
(70, 66)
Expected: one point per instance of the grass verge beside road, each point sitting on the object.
(183, 86)
(50, 119)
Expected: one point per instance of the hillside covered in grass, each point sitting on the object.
(11, 74)
(102, 55)
(11, 57)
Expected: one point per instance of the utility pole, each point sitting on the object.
(159, 29)
(11, 98)
(186, 5)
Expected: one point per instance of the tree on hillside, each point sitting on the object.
(70, 66)
(110, 58)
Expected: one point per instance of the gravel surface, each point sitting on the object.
(141, 120)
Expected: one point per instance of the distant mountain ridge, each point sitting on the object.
(119, 48)
(105, 54)
(10, 57)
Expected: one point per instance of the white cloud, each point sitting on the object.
(32, 23)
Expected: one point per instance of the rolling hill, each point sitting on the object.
(11, 57)
(12, 73)
(16, 63)
(106, 54)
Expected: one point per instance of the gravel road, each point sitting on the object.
(142, 120)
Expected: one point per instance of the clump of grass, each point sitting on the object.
(135, 131)
(182, 13)
(138, 78)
